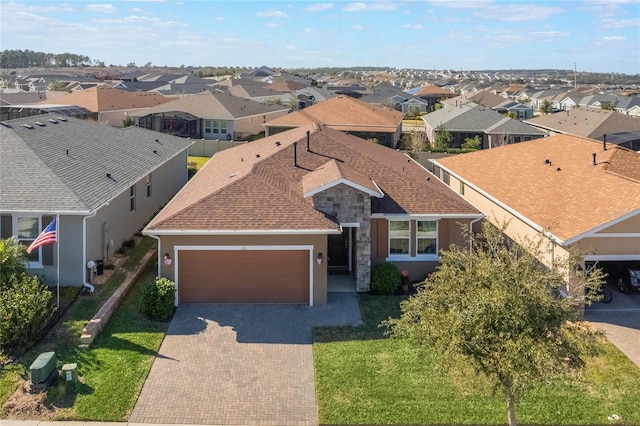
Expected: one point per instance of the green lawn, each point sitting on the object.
(113, 370)
(362, 377)
(199, 161)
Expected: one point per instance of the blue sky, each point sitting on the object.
(597, 35)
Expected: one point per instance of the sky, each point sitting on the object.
(590, 35)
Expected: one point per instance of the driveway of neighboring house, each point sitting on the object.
(239, 364)
(620, 320)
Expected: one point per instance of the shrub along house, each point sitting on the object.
(269, 220)
(103, 183)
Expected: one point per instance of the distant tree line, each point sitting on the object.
(30, 59)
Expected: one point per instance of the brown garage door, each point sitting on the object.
(243, 276)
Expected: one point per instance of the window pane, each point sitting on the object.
(399, 246)
(426, 229)
(398, 229)
(27, 227)
(427, 246)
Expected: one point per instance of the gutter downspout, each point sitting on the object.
(159, 250)
(84, 250)
(471, 233)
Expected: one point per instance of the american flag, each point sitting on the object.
(47, 236)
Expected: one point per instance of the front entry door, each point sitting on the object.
(339, 251)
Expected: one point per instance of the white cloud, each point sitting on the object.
(101, 8)
(291, 47)
(307, 31)
(621, 23)
(370, 7)
(413, 26)
(461, 4)
(613, 38)
(171, 24)
(272, 14)
(273, 25)
(318, 7)
(356, 27)
(219, 18)
(517, 12)
(550, 33)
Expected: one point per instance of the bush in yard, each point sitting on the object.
(385, 278)
(12, 259)
(158, 299)
(24, 311)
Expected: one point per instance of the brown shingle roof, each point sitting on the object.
(343, 113)
(433, 90)
(569, 196)
(586, 122)
(101, 98)
(255, 186)
(331, 173)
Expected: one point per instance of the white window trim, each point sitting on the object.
(395, 256)
(29, 264)
(132, 198)
(437, 238)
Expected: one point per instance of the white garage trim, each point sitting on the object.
(611, 257)
(177, 249)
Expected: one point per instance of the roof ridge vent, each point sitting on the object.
(62, 118)
(39, 123)
(51, 120)
(27, 125)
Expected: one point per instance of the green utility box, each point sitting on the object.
(43, 371)
(69, 372)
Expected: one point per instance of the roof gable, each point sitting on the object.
(333, 173)
(554, 183)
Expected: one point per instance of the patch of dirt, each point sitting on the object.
(23, 405)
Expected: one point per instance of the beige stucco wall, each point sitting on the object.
(167, 244)
(255, 124)
(449, 232)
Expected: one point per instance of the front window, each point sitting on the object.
(399, 237)
(28, 230)
(427, 237)
(132, 198)
(149, 185)
(215, 126)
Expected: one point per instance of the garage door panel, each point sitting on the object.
(247, 276)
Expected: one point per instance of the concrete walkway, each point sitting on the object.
(249, 364)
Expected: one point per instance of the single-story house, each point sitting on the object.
(111, 106)
(209, 115)
(581, 193)
(346, 114)
(396, 98)
(269, 220)
(104, 183)
(585, 122)
(467, 120)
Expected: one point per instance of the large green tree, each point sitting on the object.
(493, 307)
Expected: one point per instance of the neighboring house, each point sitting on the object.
(396, 98)
(523, 112)
(104, 183)
(347, 115)
(433, 94)
(629, 105)
(582, 194)
(469, 120)
(629, 140)
(11, 112)
(209, 116)
(111, 106)
(353, 90)
(585, 122)
(269, 221)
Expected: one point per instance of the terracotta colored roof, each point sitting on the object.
(432, 90)
(255, 186)
(101, 98)
(214, 105)
(343, 113)
(568, 196)
(332, 173)
(586, 122)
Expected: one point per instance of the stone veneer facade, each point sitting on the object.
(350, 205)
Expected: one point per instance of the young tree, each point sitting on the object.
(545, 107)
(414, 141)
(13, 257)
(472, 143)
(443, 138)
(493, 308)
(128, 121)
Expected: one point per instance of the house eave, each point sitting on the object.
(191, 232)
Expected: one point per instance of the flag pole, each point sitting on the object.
(58, 259)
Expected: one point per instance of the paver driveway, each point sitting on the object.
(228, 364)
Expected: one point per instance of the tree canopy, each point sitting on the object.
(493, 307)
